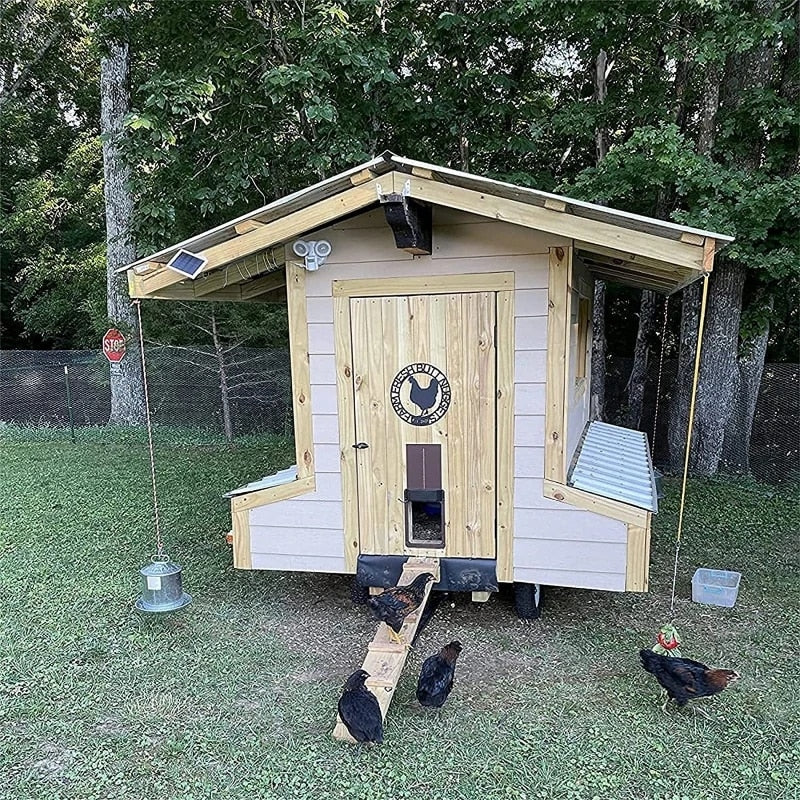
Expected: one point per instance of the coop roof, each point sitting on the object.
(243, 257)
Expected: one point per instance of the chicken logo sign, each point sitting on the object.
(420, 394)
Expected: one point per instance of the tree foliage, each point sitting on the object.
(238, 102)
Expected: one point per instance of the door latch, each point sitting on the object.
(360, 446)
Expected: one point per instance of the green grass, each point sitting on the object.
(235, 696)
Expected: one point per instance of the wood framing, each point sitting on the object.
(241, 286)
(301, 375)
(272, 233)
(436, 284)
(638, 557)
(242, 558)
(593, 502)
(505, 436)
(558, 299)
(272, 494)
(656, 248)
(343, 355)
(247, 226)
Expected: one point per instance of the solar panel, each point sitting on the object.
(187, 263)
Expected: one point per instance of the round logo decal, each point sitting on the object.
(420, 394)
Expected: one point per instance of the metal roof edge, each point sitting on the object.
(388, 160)
(375, 162)
(722, 237)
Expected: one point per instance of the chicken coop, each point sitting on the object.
(440, 333)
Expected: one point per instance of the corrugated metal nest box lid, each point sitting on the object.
(267, 482)
(615, 462)
(389, 162)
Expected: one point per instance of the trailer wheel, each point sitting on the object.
(359, 593)
(527, 600)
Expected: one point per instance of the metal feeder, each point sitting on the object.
(161, 587)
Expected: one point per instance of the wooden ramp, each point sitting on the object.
(385, 659)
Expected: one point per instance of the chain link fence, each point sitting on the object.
(773, 455)
(249, 392)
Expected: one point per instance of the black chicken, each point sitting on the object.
(359, 710)
(424, 399)
(684, 679)
(437, 675)
(394, 605)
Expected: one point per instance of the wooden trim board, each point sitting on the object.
(435, 284)
(504, 343)
(593, 232)
(345, 395)
(592, 502)
(272, 233)
(556, 365)
(234, 292)
(273, 494)
(242, 557)
(301, 372)
(637, 568)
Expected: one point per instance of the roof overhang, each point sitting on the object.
(244, 257)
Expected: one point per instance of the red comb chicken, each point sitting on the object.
(684, 679)
(394, 605)
(359, 710)
(437, 675)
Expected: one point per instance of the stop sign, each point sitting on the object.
(113, 345)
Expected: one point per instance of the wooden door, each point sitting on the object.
(425, 374)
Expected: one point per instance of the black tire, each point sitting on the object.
(527, 600)
(359, 593)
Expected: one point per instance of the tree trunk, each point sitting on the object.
(641, 358)
(600, 92)
(715, 393)
(747, 382)
(597, 399)
(690, 311)
(682, 388)
(222, 369)
(599, 349)
(127, 397)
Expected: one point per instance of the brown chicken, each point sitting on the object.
(684, 679)
(394, 605)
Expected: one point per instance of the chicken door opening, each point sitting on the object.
(425, 518)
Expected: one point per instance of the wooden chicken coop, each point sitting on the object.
(440, 341)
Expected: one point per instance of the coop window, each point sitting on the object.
(424, 497)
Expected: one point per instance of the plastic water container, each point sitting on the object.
(715, 587)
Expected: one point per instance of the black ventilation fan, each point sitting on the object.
(187, 263)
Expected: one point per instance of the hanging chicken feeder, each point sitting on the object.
(162, 589)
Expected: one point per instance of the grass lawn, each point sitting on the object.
(235, 696)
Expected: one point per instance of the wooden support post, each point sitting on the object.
(557, 353)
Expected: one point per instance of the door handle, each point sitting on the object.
(360, 446)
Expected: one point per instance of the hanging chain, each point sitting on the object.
(689, 435)
(660, 372)
(159, 543)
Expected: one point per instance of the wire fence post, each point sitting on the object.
(69, 404)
